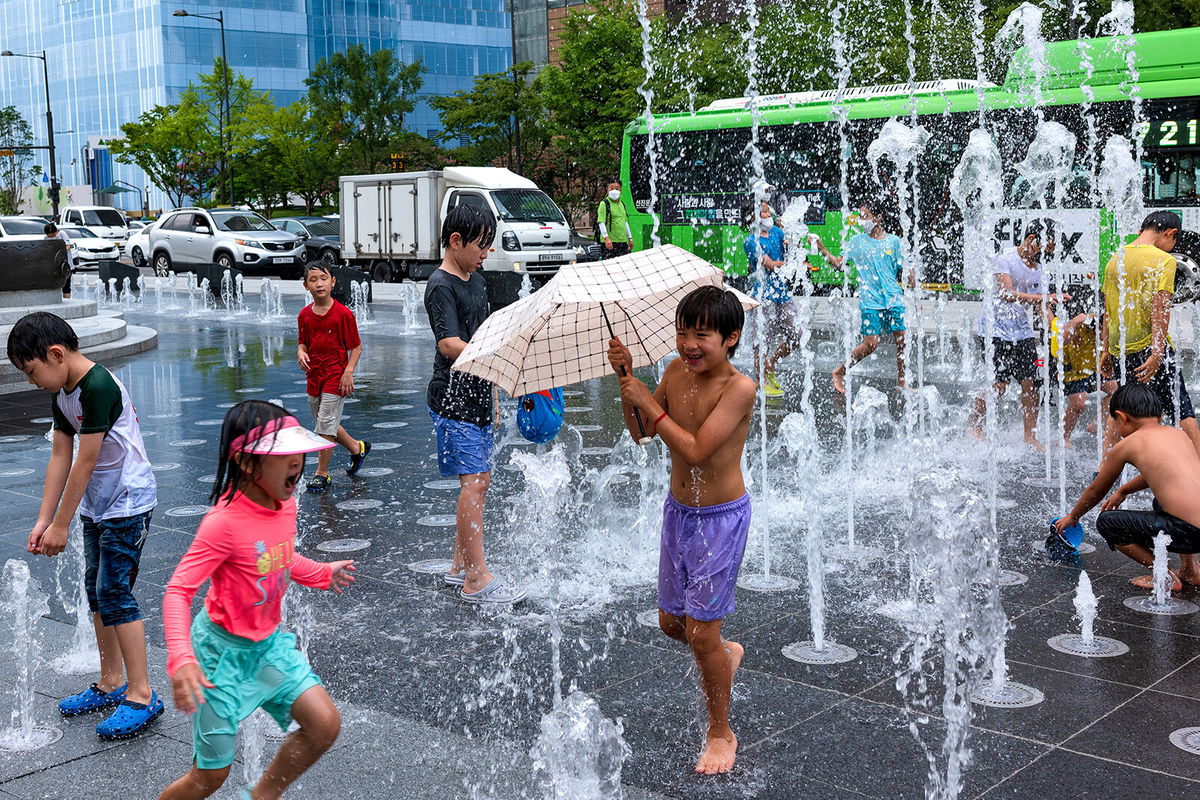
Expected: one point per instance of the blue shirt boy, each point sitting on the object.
(773, 289)
(878, 262)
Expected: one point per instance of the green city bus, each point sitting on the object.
(705, 173)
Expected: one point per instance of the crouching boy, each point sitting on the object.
(701, 409)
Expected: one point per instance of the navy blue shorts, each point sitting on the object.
(112, 550)
(463, 447)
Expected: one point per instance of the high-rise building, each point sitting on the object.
(110, 60)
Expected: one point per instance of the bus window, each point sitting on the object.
(1171, 177)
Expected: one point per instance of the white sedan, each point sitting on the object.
(88, 249)
(138, 244)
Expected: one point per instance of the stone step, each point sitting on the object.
(92, 331)
(67, 309)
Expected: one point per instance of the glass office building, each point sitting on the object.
(110, 60)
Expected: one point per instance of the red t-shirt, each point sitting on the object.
(328, 338)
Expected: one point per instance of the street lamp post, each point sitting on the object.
(224, 119)
(54, 187)
(145, 193)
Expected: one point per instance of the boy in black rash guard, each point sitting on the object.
(460, 405)
(1168, 466)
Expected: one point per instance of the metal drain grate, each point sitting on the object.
(12, 742)
(768, 583)
(1099, 647)
(1171, 608)
(1008, 577)
(431, 566)
(831, 653)
(438, 521)
(359, 505)
(1187, 740)
(649, 618)
(1010, 694)
(344, 545)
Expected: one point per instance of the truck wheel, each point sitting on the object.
(381, 272)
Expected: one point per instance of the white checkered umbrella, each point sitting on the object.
(559, 334)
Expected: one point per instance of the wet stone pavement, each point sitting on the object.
(441, 700)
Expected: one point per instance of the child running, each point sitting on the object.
(329, 350)
(234, 659)
(110, 483)
(701, 409)
(878, 258)
(1167, 465)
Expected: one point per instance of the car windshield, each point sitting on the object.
(106, 216)
(80, 233)
(526, 205)
(326, 227)
(241, 221)
(22, 227)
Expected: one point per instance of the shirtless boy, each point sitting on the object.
(701, 409)
(1167, 465)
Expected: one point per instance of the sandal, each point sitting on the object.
(496, 593)
(455, 578)
(130, 718)
(91, 699)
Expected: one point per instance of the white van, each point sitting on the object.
(104, 221)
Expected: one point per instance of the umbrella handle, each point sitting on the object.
(642, 437)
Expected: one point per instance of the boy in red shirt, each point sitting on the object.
(329, 351)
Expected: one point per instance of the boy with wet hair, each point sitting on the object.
(1167, 465)
(328, 351)
(461, 405)
(110, 483)
(701, 409)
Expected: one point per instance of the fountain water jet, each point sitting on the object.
(1086, 643)
(22, 604)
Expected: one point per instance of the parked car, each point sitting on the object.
(22, 228)
(138, 245)
(104, 221)
(136, 225)
(227, 237)
(586, 248)
(88, 249)
(322, 237)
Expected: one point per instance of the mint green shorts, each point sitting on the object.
(270, 675)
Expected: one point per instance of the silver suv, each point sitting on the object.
(227, 237)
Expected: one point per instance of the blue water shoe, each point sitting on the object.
(91, 699)
(130, 718)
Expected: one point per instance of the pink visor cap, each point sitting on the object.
(279, 437)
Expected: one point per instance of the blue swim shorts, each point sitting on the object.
(463, 448)
(878, 321)
(701, 552)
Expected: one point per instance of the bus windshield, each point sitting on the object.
(526, 205)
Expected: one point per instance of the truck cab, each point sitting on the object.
(391, 224)
(104, 221)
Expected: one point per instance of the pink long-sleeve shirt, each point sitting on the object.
(247, 552)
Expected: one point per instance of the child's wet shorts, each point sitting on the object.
(270, 675)
(1122, 528)
(878, 321)
(700, 556)
(463, 447)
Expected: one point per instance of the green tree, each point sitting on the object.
(364, 98)
(16, 168)
(205, 98)
(289, 150)
(169, 144)
(501, 114)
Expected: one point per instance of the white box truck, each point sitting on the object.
(391, 224)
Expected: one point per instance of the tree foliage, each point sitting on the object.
(168, 143)
(364, 97)
(16, 162)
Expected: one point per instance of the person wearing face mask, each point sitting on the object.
(764, 252)
(612, 224)
(1020, 286)
(878, 259)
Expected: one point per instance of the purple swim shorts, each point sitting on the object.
(701, 552)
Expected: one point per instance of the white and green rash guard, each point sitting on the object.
(122, 484)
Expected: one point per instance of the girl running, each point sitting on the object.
(234, 658)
